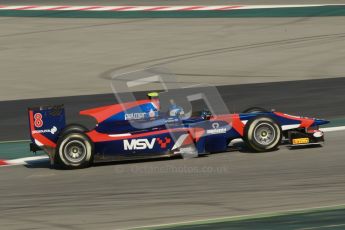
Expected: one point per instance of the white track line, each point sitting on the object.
(16, 141)
(333, 129)
(26, 160)
(23, 161)
(242, 217)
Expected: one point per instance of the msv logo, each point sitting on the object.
(138, 144)
(163, 142)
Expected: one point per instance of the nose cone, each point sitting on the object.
(319, 122)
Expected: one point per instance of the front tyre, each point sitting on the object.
(262, 134)
(74, 150)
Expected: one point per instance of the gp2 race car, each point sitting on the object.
(136, 130)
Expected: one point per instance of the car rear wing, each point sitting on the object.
(45, 124)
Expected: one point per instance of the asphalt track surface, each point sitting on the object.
(135, 194)
(323, 98)
(140, 193)
(124, 195)
(324, 218)
(66, 57)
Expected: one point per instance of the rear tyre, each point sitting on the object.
(262, 134)
(73, 128)
(74, 150)
(255, 110)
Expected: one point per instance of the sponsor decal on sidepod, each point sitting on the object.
(134, 116)
(141, 144)
(216, 129)
(138, 144)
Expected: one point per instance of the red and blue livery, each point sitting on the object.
(138, 129)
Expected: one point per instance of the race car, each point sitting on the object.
(138, 129)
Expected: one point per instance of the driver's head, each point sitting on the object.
(153, 96)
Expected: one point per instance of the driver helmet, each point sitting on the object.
(152, 95)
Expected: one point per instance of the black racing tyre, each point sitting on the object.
(262, 134)
(74, 150)
(255, 110)
(73, 128)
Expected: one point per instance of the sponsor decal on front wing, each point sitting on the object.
(300, 141)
